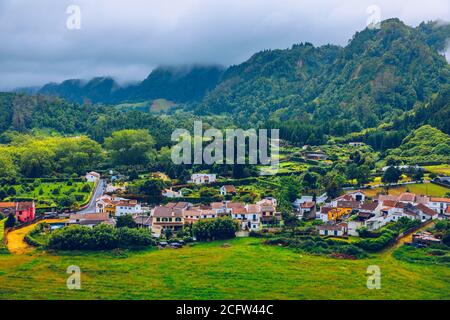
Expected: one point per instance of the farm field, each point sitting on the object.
(429, 189)
(443, 169)
(244, 270)
(47, 194)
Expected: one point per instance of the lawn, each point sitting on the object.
(245, 270)
(429, 189)
(47, 193)
(443, 169)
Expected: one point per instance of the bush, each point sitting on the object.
(102, 237)
(215, 229)
(376, 244)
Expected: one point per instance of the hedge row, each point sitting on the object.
(101, 237)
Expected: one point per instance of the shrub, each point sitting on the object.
(102, 237)
(215, 229)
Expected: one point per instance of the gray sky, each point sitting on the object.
(126, 39)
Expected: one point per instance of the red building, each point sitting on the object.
(25, 211)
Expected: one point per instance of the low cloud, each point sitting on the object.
(127, 39)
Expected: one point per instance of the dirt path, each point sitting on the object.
(16, 243)
(406, 238)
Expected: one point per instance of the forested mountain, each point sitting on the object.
(383, 84)
(311, 93)
(23, 113)
(178, 84)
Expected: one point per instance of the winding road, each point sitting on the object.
(99, 189)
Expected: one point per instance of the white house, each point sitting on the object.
(126, 207)
(319, 200)
(248, 216)
(203, 178)
(439, 205)
(169, 193)
(336, 230)
(227, 189)
(92, 176)
(355, 144)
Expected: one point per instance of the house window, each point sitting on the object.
(335, 232)
(158, 219)
(178, 219)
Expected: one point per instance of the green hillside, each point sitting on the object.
(424, 145)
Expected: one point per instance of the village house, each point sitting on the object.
(439, 205)
(319, 200)
(143, 221)
(336, 230)
(170, 193)
(6, 208)
(316, 155)
(25, 211)
(126, 206)
(170, 216)
(203, 178)
(248, 216)
(357, 213)
(269, 215)
(90, 219)
(227, 190)
(307, 210)
(22, 211)
(116, 206)
(425, 238)
(92, 176)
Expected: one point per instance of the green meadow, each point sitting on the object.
(244, 269)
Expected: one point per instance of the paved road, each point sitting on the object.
(97, 193)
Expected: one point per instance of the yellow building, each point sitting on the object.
(337, 213)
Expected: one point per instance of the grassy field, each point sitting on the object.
(46, 195)
(245, 270)
(443, 169)
(2, 228)
(429, 189)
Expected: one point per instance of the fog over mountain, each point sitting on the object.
(126, 40)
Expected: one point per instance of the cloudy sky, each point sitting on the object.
(127, 38)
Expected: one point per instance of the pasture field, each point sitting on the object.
(245, 269)
(429, 189)
(443, 169)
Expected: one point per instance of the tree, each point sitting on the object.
(332, 183)
(11, 191)
(8, 169)
(391, 175)
(36, 161)
(131, 147)
(11, 221)
(151, 188)
(3, 194)
(66, 201)
(78, 154)
(309, 180)
(125, 221)
(215, 229)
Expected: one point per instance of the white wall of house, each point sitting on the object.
(91, 178)
(202, 178)
(124, 210)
